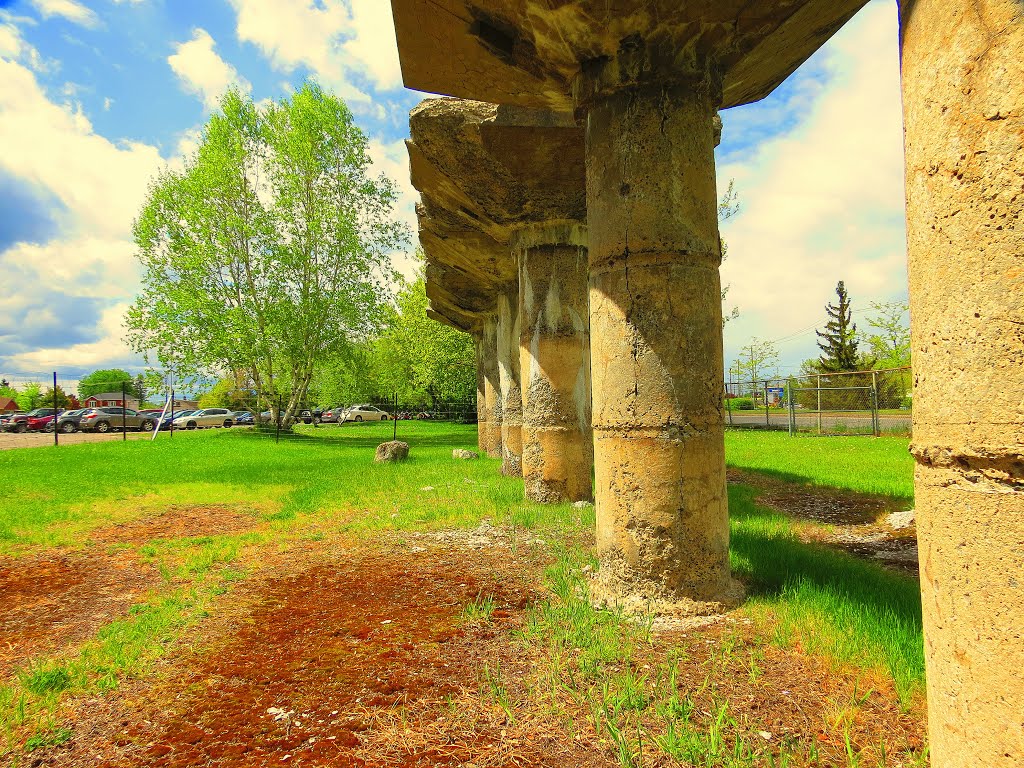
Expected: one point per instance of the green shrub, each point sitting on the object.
(741, 404)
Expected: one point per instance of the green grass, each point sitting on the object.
(62, 493)
(849, 610)
(309, 484)
(879, 466)
(324, 481)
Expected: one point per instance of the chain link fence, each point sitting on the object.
(849, 403)
(854, 403)
(36, 409)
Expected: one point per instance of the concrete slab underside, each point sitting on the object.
(529, 52)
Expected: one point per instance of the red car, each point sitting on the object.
(33, 421)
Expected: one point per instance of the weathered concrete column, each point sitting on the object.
(492, 388)
(481, 396)
(558, 449)
(511, 394)
(963, 99)
(656, 330)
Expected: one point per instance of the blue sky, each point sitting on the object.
(98, 95)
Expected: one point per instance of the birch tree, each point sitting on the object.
(268, 253)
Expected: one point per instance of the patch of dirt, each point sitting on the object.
(362, 657)
(179, 522)
(12, 440)
(53, 600)
(791, 696)
(870, 527)
(302, 672)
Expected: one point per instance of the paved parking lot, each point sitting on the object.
(10, 440)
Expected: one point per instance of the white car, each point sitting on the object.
(207, 417)
(364, 413)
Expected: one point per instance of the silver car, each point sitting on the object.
(207, 417)
(108, 419)
(364, 412)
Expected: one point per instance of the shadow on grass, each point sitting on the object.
(797, 479)
(451, 440)
(863, 610)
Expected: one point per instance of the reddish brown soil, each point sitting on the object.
(56, 599)
(52, 600)
(852, 522)
(178, 522)
(328, 648)
(335, 657)
(791, 695)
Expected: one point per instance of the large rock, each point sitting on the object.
(462, 453)
(393, 450)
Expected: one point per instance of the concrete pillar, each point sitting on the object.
(481, 396)
(656, 334)
(492, 388)
(508, 371)
(558, 450)
(963, 100)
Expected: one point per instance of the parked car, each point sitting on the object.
(165, 423)
(113, 418)
(243, 418)
(205, 417)
(67, 422)
(332, 415)
(32, 421)
(365, 412)
(5, 417)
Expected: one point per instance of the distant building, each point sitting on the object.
(110, 400)
(8, 405)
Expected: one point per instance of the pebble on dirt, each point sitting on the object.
(462, 453)
(393, 450)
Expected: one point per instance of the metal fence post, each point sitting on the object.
(817, 383)
(792, 409)
(876, 423)
(767, 416)
(394, 418)
(728, 400)
(277, 437)
(124, 412)
(56, 440)
(171, 425)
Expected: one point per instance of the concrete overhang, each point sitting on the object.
(531, 52)
(497, 169)
(465, 267)
(451, 242)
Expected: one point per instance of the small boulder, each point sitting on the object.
(901, 520)
(582, 504)
(393, 450)
(462, 453)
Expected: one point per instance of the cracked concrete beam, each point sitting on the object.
(531, 52)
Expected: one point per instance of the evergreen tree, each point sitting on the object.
(838, 342)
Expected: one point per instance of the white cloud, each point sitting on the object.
(55, 149)
(202, 71)
(99, 187)
(14, 48)
(393, 161)
(71, 10)
(337, 40)
(823, 202)
(108, 350)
